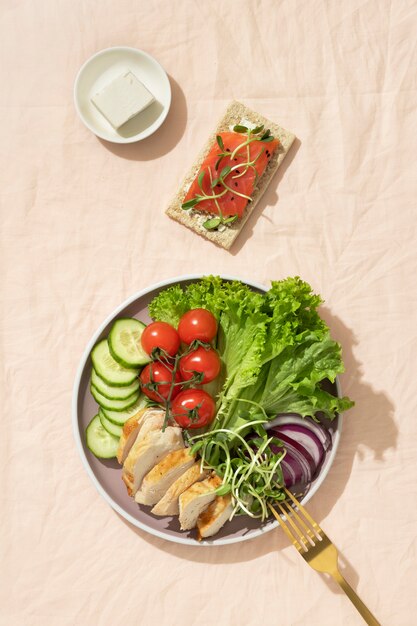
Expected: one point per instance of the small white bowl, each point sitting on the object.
(101, 69)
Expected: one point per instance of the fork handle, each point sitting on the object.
(355, 599)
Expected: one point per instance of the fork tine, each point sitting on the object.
(299, 533)
(310, 534)
(308, 517)
(287, 531)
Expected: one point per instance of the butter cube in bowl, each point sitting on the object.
(122, 94)
(122, 99)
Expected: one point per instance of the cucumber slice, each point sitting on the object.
(124, 342)
(120, 417)
(101, 443)
(111, 428)
(113, 405)
(113, 393)
(110, 370)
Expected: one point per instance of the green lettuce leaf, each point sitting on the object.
(169, 305)
(275, 349)
(291, 382)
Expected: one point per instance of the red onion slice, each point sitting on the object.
(298, 447)
(291, 470)
(297, 452)
(294, 418)
(305, 437)
(305, 442)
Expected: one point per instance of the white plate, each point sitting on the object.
(106, 474)
(101, 69)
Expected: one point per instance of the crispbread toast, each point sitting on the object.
(236, 113)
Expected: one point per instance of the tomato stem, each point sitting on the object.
(196, 378)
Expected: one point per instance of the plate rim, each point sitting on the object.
(77, 433)
(121, 140)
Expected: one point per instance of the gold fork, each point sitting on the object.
(316, 548)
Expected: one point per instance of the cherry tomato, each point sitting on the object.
(202, 360)
(156, 380)
(197, 324)
(160, 335)
(193, 408)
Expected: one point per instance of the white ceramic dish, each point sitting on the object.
(102, 68)
(106, 475)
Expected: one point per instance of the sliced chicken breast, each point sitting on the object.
(168, 504)
(146, 453)
(152, 419)
(163, 475)
(131, 430)
(196, 499)
(214, 517)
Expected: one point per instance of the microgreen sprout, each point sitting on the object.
(253, 475)
(212, 223)
(252, 135)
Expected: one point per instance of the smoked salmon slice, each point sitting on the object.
(228, 175)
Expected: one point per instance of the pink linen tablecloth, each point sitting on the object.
(83, 227)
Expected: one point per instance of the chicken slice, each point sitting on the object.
(196, 499)
(161, 477)
(146, 453)
(131, 429)
(168, 504)
(213, 518)
(152, 420)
